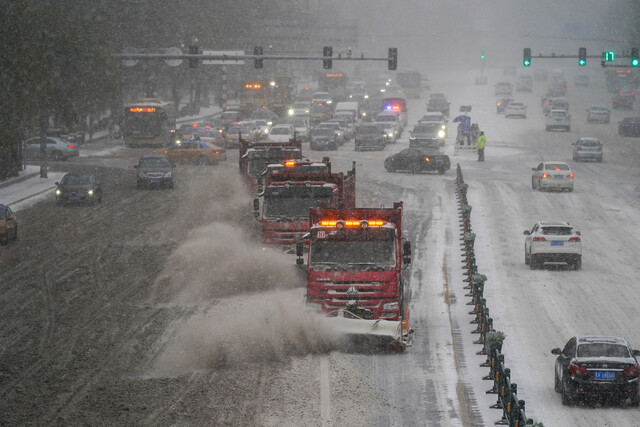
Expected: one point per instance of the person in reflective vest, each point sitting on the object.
(482, 141)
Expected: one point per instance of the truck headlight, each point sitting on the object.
(314, 307)
(391, 306)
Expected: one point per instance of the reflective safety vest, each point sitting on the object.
(482, 141)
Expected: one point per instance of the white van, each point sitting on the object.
(351, 106)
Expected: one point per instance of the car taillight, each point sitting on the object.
(539, 239)
(577, 370)
(631, 371)
(545, 175)
(71, 146)
(570, 175)
(574, 239)
(426, 159)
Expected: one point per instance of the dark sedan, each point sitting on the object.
(76, 187)
(592, 366)
(416, 160)
(427, 134)
(370, 136)
(629, 126)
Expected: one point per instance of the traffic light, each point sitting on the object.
(482, 55)
(582, 56)
(327, 51)
(635, 61)
(526, 57)
(257, 63)
(393, 58)
(193, 50)
(610, 56)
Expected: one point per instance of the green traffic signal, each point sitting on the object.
(582, 56)
(610, 56)
(526, 57)
(635, 61)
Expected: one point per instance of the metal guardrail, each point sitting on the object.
(513, 409)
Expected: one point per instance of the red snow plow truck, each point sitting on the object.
(291, 188)
(355, 270)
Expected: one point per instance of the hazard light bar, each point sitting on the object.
(352, 223)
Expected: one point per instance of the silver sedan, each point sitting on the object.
(57, 149)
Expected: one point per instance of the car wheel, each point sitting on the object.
(56, 156)
(577, 263)
(527, 258)
(570, 190)
(533, 184)
(533, 262)
(4, 239)
(441, 171)
(557, 386)
(202, 161)
(567, 400)
(415, 169)
(547, 128)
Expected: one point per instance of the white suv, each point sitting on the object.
(552, 242)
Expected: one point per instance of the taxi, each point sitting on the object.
(194, 151)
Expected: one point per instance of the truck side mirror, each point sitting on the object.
(299, 250)
(406, 247)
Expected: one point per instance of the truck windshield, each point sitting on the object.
(296, 207)
(378, 250)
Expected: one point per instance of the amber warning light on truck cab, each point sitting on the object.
(142, 109)
(350, 223)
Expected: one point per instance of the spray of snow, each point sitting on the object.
(248, 329)
(218, 261)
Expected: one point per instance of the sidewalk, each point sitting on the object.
(27, 188)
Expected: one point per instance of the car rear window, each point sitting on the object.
(557, 231)
(602, 350)
(588, 143)
(556, 166)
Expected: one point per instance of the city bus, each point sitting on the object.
(335, 84)
(148, 122)
(410, 82)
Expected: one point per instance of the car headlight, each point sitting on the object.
(441, 133)
(444, 127)
(167, 174)
(142, 175)
(390, 134)
(270, 123)
(90, 192)
(291, 112)
(58, 192)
